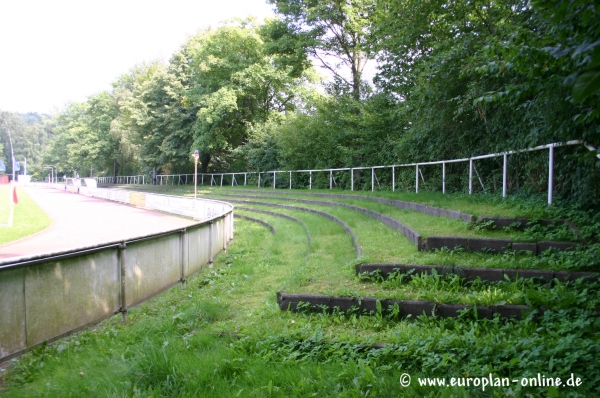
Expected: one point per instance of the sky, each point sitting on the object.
(53, 52)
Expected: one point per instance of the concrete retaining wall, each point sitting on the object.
(200, 209)
(45, 297)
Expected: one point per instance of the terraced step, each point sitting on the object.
(400, 204)
(471, 274)
(345, 226)
(407, 231)
(256, 220)
(405, 308)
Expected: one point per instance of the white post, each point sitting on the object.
(393, 179)
(245, 177)
(417, 179)
(310, 180)
(330, 178)
(550, 173)
(443, 177)
(274, 177)
(259, 179)
(504, 175)
(221, 179)
(196, 156)
(470, 176)
(352, 179)
(290, 180)
(372, 179)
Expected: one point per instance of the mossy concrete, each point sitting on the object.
(63, 295)
(12, 311)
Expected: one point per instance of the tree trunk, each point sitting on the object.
(204, 162)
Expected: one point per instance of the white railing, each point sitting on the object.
(139, 179)
(216, 179)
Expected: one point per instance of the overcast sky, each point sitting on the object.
(59, 51)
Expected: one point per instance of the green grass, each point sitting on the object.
(28, 218)
(425, 224)
(224, 335)
(5, 200)
(478, 204)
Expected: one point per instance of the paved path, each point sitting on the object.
(79, 221)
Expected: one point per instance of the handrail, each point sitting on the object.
(418, 173)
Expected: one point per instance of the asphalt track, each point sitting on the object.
(80, 221)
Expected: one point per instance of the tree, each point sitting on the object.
(30, 135)
(481, 76)
(335, 32)
(153, 119)
(235, 83)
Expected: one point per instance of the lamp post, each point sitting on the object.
(196, 156)
(51, 173)
(12, 154)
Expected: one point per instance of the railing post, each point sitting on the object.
(417, 178)
(443, 177)
(184, 239)
(504, 175)
(221, 179)
(470, 176)
(330, 179)
(290, 180)
(259, 179)
(393, 179)
(210, 244)
(121, 257)
(310, 180)
(224, 233)
(352, 179)
(550, 173)
(274, 177)
(372, 179)
(245, 178)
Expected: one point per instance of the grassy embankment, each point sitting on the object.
(224, 335)
(28, 218)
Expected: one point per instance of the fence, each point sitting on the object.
(217, 179)
(139, 179)
(45, 297)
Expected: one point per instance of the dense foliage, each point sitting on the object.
(455, 79)
(30, 134)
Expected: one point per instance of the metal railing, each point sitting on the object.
(138, 179)
(217, 179)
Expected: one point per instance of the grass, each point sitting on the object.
(28, 218)
(5, 200)
(224, 335)
(478, 205)
(425, 224)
